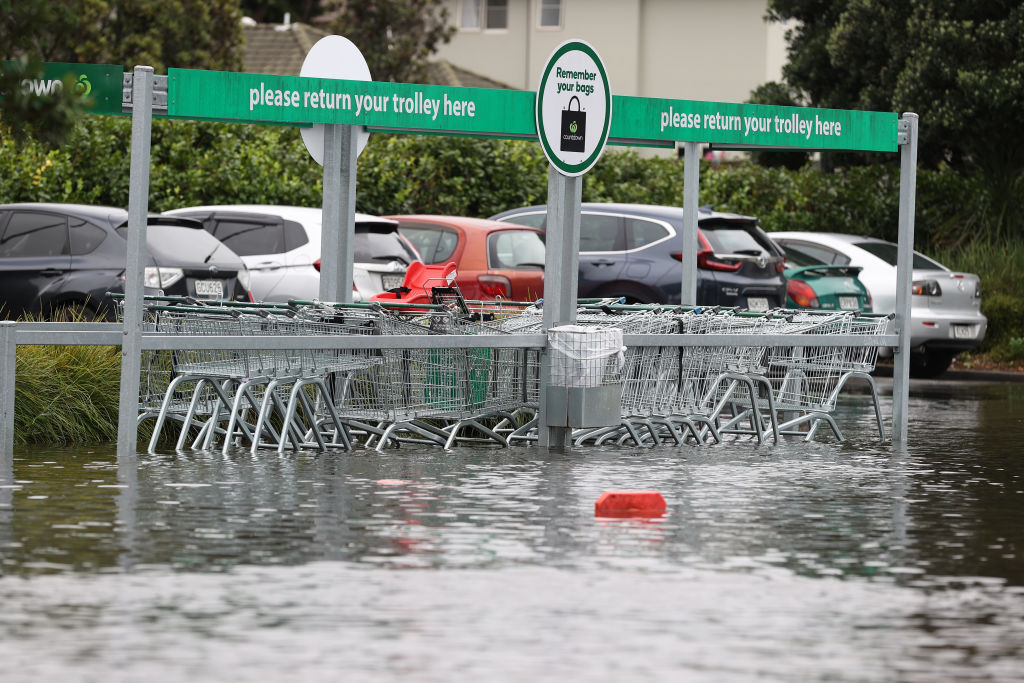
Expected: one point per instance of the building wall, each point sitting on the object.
(682, 49)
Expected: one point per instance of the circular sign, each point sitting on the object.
(333, 57)
(574, 108)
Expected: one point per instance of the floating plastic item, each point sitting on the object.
(630, 504)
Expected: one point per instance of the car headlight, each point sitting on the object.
(926, 288)
(161, 278)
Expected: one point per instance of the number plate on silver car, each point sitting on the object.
(757, 303)
(963, 331)
(210, 288)
(848, 303)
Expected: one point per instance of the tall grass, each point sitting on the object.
(66, 395)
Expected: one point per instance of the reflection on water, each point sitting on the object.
(811, 561)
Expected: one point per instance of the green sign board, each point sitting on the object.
(646, 118)
(379, 105)
(99, 84)
(260, 98)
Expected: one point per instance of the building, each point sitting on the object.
(716, 50)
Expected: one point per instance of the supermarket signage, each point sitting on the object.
(411, 107)
(574, 108)
(99, 85)
(754, 125)
(408, 107)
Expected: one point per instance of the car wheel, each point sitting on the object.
(931, 363)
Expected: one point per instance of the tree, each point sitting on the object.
(956, 63)
(782, 95)
(395, 36)
(177, 33)
(46, 118)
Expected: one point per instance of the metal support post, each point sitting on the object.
(691, 195)
(337, 252)
(904, 276)
(561, 282)
(138, 209)
(8, 367)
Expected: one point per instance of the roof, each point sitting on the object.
(293, 213)
(443, 72)
(277, 48)
(670, 213)
(464, 222)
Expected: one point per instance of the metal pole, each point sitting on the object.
(138, 209)
(561, 281)
(339, 207)
(8, 368)
(691, 195)
(904, 276)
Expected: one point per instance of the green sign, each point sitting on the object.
(259, 98)
(99, 84)
(379, 105)
(574, 108)
(646, 118)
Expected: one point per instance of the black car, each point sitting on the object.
(56, 258)
(635, 251)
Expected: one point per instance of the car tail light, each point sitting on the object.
(802, 294)
(494, 285)
(780, 266)
(926, 288)
(977, 289)
(161, 278)
(707, 260)
(316, 264)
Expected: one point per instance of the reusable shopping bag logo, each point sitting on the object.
(574, 127)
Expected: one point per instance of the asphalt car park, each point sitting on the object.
(61, 259)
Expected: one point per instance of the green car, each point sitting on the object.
(814, 284)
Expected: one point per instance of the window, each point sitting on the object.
(497, 13)
(804, 254)
(85, 237)
(381, 245)
(533, 220)
(249, 238)
(471, 14)
(478, 14)
(35, 234)
(516, 249)
(294, 235)
(436, 245)
(640, 233)
(600, 232)
(730, 238)
(550, 13)
(888, 253)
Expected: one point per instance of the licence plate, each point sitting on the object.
(210, 288)
(392, 281)
(848, 303)
(757, 303)
(963, 331)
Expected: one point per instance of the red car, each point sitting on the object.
(494, 259)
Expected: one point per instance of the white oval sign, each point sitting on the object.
(333, 57)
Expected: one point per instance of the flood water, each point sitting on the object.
(801, 561)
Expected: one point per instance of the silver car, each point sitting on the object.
(945, 309)
(280, 245)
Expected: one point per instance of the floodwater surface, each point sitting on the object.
(816, 561)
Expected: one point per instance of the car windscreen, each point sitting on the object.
(799, 257)
(887, 251)
(736, 238)
(375, 243)
(515, 249)
(185, 246)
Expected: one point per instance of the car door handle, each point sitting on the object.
(602, 262)
(50, 272)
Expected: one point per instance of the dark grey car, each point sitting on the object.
(635, 251)
(60, 257)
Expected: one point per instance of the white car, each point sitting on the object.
(280, 246)
(945, 309)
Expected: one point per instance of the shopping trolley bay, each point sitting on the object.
(323, 376)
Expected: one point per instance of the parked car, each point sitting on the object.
(813, 284)
(493, 259)
(945, 308)
(56, 258)
(281, 247)
(635, 251)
